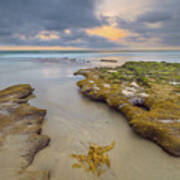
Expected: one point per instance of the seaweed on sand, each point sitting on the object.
(95, 158)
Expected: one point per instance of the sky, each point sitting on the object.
(89, 24)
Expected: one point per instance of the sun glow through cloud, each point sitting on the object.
(67, 31)
(126, 9)
(108, 32)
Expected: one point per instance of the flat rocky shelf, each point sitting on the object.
(20, 134)
(147, 93)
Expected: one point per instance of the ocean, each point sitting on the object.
(168, 56)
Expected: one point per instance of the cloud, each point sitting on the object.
(162, 23)
(90, 23)
(44, 22)
(126, 9)
(154, 17)
(109, 32)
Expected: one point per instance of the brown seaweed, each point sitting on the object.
(95, 158)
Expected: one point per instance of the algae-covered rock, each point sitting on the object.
(20, 132)
(147, 93)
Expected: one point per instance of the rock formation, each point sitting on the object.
(20, 134)
(147, 93)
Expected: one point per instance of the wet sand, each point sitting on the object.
(73, 122)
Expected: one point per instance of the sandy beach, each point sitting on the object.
(72, 127)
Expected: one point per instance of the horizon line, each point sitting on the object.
(59, 48)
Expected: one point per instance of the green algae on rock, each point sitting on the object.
(147, 93)
(20, 132)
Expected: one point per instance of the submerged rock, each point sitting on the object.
(144, 93)
(109, 60)
(20, 133)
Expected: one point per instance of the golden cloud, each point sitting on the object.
(108, 32)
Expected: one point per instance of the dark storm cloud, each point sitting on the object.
(29, 17)
(154, 17)
(162, 23)
(58, 13)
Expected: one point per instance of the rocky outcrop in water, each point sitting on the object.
(20, 134)
(147, 93)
